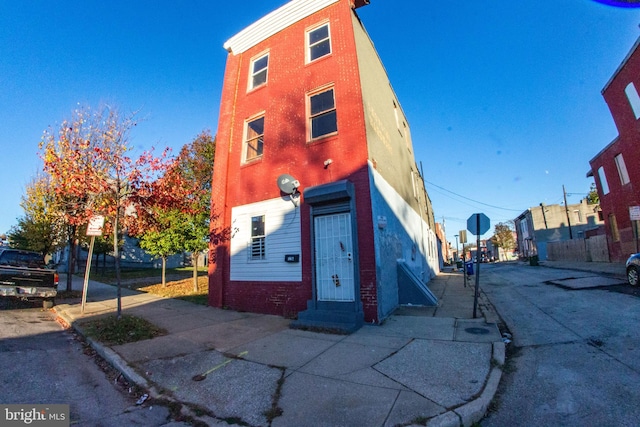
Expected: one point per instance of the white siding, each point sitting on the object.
(282, 230)
(273, 23)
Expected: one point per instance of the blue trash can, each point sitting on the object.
(469, 267)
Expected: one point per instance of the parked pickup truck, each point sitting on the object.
(23, 275)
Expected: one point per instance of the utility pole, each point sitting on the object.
(566, 209)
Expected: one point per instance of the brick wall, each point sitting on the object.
(287, 150)
(621, 196)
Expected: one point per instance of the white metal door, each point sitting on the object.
(334, 257)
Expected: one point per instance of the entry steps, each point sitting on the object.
(411, 289)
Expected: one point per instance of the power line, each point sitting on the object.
(471, 200)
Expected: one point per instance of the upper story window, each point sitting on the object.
(407, 136)
(322, 114)
(622, 169)
(397, 116)
(258, 237)
(254, 139)
(603, 180)
(634, 99)
(524, 228)
(413, 184)
(318, 42)
(578, 216)
(259, 68)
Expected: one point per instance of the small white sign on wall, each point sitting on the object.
(634, 213)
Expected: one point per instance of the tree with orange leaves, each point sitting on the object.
(91, 172)
(173, 212)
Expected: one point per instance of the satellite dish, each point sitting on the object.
(288, 184)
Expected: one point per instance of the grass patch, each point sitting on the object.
(180, 289)
(130, 274)
(179, 282)
(113, 331)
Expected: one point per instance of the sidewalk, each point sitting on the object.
(433, 365)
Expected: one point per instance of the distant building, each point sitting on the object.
(496, 253)
(615, 168)
(445, 254)
(131, 256)
(315, 175)
(542, 224)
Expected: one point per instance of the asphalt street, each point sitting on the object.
(46, 364)
(575, 355)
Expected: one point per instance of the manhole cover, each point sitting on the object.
(477, 331)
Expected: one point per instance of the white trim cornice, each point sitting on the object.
(273, 23)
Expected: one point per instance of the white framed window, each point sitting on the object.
(258, 71)
(578, 216)
(318, 42)
(603, 180)
(395, 112)
(254, 139)
(524, 228)
(622, 169)
(257, 249)
(323, 120)
(407, 136)
(634, 99)
(413, 184)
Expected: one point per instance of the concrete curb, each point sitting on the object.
(448, 419)
(474, 411)
(106, 353)
(121, 365)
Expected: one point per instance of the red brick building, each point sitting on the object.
(615, 168)
(314, 173)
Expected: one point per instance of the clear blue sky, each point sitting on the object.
(503, 97)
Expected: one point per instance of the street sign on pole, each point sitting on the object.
(94, 228)
(478, 224)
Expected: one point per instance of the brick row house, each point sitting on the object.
(315, 176)
(541, 225)
(614, 169)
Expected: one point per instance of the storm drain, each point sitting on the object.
(477, 331)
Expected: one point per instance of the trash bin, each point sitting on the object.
(459, 264)
(533, 260)
(469, 268)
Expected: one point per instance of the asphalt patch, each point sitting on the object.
(588, 282)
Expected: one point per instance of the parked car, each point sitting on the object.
(23, 275)
(633, 269)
